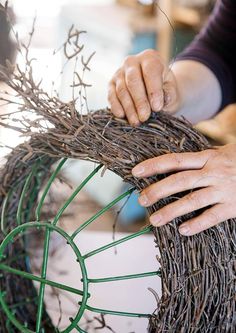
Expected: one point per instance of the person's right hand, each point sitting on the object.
(143, 84)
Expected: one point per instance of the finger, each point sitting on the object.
(189, 203)
(135, 85)
(116, 107)
(172, 162)
(206, 220)
(177, 183)
(126, 102)
(152, 71)
(170, 97)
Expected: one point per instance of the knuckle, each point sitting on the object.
(205, 173)
(150, 53)
(149, 65)
(212, 218)
(117, 76)
(194, 199)
(130, 112)
(200, 224)
(209, 154)
(132, 77)
(212, 174)
(141, 103)
(176, 158)
(129, 60)
(167, 213)
(121, 90)
(151, 193)
(182, 178)
(152, 165)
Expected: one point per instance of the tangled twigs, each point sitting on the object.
(198, 285)
(198, 272)
(73, 40)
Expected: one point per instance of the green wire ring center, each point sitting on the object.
(48, 226)
(52, 226)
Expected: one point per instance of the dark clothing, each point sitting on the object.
(215, 47)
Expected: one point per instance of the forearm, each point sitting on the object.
(199, 90)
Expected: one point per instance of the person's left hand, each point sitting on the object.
(210, 173)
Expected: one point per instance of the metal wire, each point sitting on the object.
(49, 227)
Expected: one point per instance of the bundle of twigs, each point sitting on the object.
(198, 272)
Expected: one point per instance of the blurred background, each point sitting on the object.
(115, 29)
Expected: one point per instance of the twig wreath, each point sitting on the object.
(197, 272)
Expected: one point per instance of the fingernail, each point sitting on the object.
(143, 200)
(143, 115)
(134, 122)
(184, 230)
(138, 171)
(155, 219)
(157, 103)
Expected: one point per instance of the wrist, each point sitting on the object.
(199, 90)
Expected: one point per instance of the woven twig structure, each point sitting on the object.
(197, 273)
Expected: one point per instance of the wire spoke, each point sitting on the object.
(102, 211)
(124, 277)
(49, 183)
(79, 188)
(122, 240)
(4, 206)
(24, 191)
(118, 313)
(32, 277)
(42, 284)
(79, 329)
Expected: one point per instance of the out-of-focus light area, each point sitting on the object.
(26, 8)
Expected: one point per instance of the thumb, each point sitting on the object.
(171, 97)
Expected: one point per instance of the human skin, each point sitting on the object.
(188, 88)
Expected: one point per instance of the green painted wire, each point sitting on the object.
(47, 239)
(124, 277)
(24, 191)
(11, 316)
(70, 240)
(79, 329)
(10, 328)
(79, 188)
(46, 247)
(33, 196)
(51, 227)
(102, 211)
(36, 278)
(42, 284)
(47, 187)
(122, 240)
(4, 206)
(118, 313)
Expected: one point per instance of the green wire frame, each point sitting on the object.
(51, 226)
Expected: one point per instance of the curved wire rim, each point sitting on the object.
(52, 226)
